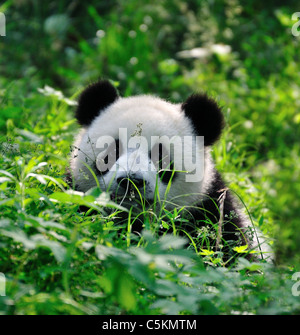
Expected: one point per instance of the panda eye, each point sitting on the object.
(160, 156)
(107, 158)
(162, 162)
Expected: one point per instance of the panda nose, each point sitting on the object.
(126, 182)
(138, 182)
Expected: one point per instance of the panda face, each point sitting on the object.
(142, 148)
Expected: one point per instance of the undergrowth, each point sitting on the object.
(58, 259)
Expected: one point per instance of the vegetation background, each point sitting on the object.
(55, 259)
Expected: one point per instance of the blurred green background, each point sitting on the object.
(243, 53)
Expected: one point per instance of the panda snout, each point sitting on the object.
(126, 182)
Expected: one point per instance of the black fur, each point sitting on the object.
(93, 99)
(208, 211)
(206, 117)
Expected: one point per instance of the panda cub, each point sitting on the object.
(147, 152)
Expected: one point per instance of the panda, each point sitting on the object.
(148, 152)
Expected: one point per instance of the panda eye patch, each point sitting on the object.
(162, 161)
(160, 156)
(108, 157)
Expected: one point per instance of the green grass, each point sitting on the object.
(59, 260)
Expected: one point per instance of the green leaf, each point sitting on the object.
(59, 251)
(241, 249)
(19, 236)
(206, 252)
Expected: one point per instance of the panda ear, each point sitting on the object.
(93, 99)
(206, 117)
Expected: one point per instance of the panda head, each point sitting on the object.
(143, 147)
